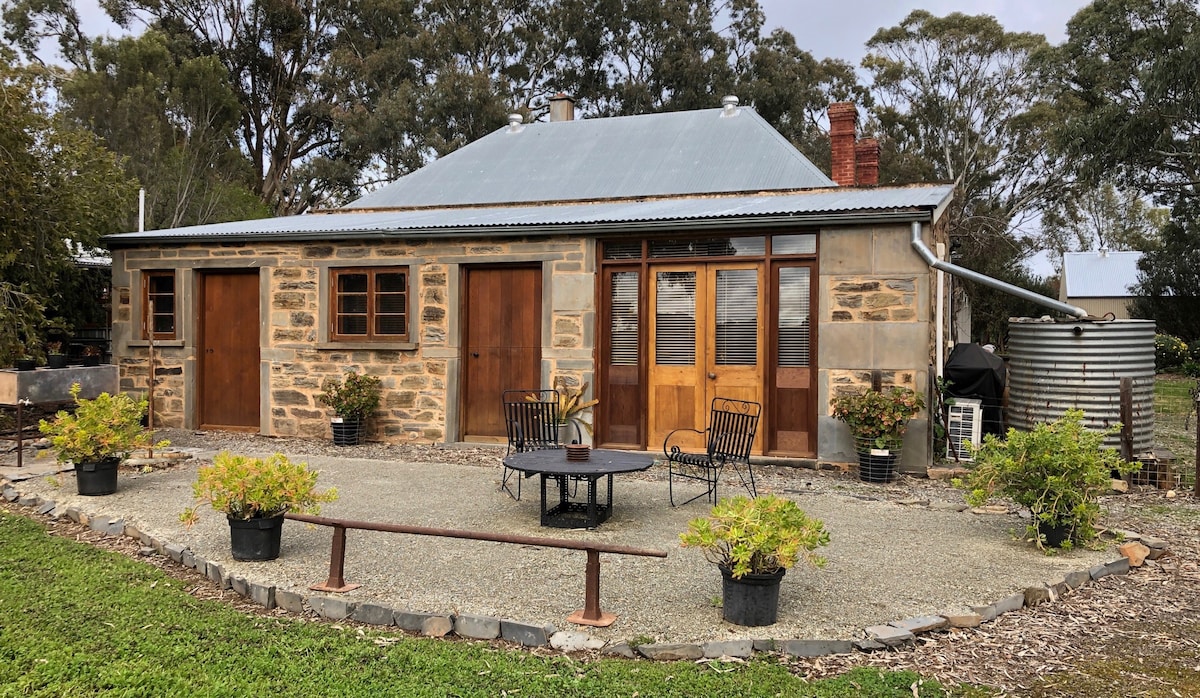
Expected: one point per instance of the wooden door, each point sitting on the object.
(706, 340)
(792, 415)
(502, 343)
(229, 351)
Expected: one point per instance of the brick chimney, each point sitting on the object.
(866, 158)
(562, 107)
(843, 121)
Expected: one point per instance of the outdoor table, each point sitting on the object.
(553, 463)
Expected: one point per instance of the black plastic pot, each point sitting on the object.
(98, 478)
(255, 539)
(876, 467)
(90, 361)
(1056, 533)
(56, 360)
(752, 600)
(347, 432)
(25, 364)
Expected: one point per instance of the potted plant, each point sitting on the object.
(24, 361)
(754, 542)
(877, 421)
(254, 494)
(91, 355)
(1058, 470)
(571, 407)
(97, 437)
(353, 400)
(55, 358)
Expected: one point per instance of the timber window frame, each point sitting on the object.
(160, 287)
(370, 304)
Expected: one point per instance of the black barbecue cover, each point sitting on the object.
(974, 372)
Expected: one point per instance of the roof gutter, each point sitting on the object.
(927, 254)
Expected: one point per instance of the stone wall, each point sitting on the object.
(420, 400)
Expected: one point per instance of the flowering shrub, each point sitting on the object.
(1169, 352)
(878, 417)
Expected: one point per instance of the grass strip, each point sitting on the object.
(77, 620)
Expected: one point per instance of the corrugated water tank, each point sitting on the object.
(1055, 366)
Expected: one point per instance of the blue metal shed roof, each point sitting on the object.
(814, 207)
(705, 151)
(1097, 274)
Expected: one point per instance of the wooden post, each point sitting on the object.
(149, 323)
(876, 379)
(1127, 418)
(1196, 474)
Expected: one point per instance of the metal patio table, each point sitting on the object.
(553, 463)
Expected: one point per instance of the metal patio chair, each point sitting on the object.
(730, 435)
(532, 422)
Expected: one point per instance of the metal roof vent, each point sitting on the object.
(729, 105)
(514, 123)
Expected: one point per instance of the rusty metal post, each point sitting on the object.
(20, 428)
(876, 379)
(337, 564)
(591, 613)
(1127, 418)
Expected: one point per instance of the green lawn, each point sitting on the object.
(77, 620)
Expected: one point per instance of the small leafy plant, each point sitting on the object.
(53, 348)
(243, 487)
(878, 417)
(571, 404)
(1058, 470)
(355, 397)
(756, 536)
(109, 426)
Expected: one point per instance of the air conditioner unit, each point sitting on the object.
(964, 425)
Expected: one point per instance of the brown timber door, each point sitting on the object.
(229, 351)
(706, 340)
(502, 343)
(792, 402)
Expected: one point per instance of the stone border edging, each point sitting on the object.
(876, 637)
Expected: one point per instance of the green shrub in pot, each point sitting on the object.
(756, 536)
(1058, 470)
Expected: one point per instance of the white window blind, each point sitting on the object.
(675, 318)
(794, 325)
(623, 342)
(737, 317)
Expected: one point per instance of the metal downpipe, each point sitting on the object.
(927, 254)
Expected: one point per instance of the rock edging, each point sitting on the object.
(1134, 551)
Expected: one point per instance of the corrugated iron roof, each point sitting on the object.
(1100, 274)
(796, 208)
(705, 151)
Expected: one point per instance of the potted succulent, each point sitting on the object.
(254, 494)
(97, 436)
(571, 407)
(1058, 470)
(754, 542)
(877, 421)
(55, 358)
(353, 400)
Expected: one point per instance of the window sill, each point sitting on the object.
(157, 343)
(378, 346)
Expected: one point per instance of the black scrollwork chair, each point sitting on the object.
(730, 435)
(531, 420)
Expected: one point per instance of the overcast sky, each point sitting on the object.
(841, 28)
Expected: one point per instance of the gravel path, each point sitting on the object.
(888, 559)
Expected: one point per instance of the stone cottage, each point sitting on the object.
(662, 259)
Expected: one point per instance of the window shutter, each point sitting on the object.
(794, 325)
(675, 318)
(623, 342)
(737, 317)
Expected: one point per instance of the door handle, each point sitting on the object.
(475, 355)
(712, 376)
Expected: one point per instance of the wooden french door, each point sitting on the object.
(502, 343)
(229, 351)
(706, 339)
(791, 404)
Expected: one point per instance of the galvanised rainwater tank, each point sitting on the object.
(1054, 366)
